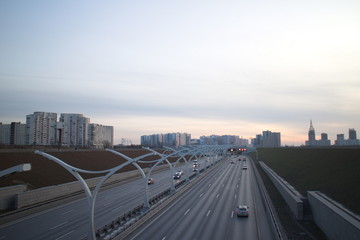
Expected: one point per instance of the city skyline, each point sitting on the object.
(313, 137)
(197, 67)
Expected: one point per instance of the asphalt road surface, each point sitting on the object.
(71, 221)
(206, 211)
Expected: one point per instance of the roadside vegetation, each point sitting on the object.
(333, 171)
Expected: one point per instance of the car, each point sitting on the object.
(242, 211)
(179, 172)
(196, 165)
(244, 167)
(176, 176)
(151, 181)
(232, 162)
(195, 170)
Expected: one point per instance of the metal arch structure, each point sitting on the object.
(90, 195)
(208, 150)
(181, 156)
(142, 172)
(172, 153)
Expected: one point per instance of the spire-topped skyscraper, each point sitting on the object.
(324, 141)
(311, 133)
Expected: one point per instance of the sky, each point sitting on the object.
(198, 67)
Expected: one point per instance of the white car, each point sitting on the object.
(245, 167)
(179, 172)
(242, 211)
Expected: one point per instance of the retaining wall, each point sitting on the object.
(45, 194)
(7, 195)
(334, 220)
(292, 197)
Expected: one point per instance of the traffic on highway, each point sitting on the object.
(70, 221)
(208, 210)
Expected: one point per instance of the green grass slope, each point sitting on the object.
(333, 171)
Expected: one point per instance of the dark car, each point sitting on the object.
(151, 181)
(177, 176)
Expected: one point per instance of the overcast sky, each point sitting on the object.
(200, 67)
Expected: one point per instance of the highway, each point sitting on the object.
(71, 221)
(206, 211)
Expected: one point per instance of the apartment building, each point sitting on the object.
(168, 139)
(72, 129)
(12, 134)
(100, 136)
(41, 128)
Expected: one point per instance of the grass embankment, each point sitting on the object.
(333, 171)
(45, 172)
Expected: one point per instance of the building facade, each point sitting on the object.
(312, 142)
(73, 129)
(352, 141)
(223, 140)
(270, 139)
(167, 139)
(100, 136)
(41, 128)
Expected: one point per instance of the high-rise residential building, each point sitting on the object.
(223, 140)
(4, 134)
(154, 140)
(100, 136)
(168, 139)
(271, 139)
(73, 129)
(41, 128)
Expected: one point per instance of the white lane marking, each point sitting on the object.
(210, 185)
(114, 209)
(217, 196)
(109, 203)
(163, 238)
(237, 186)
(67, 212)
(223, 185)
(64, 235)
(187, 212)
(235, 196)
(58, 225)
(201, 195)
(232, 214)
(208, 213)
